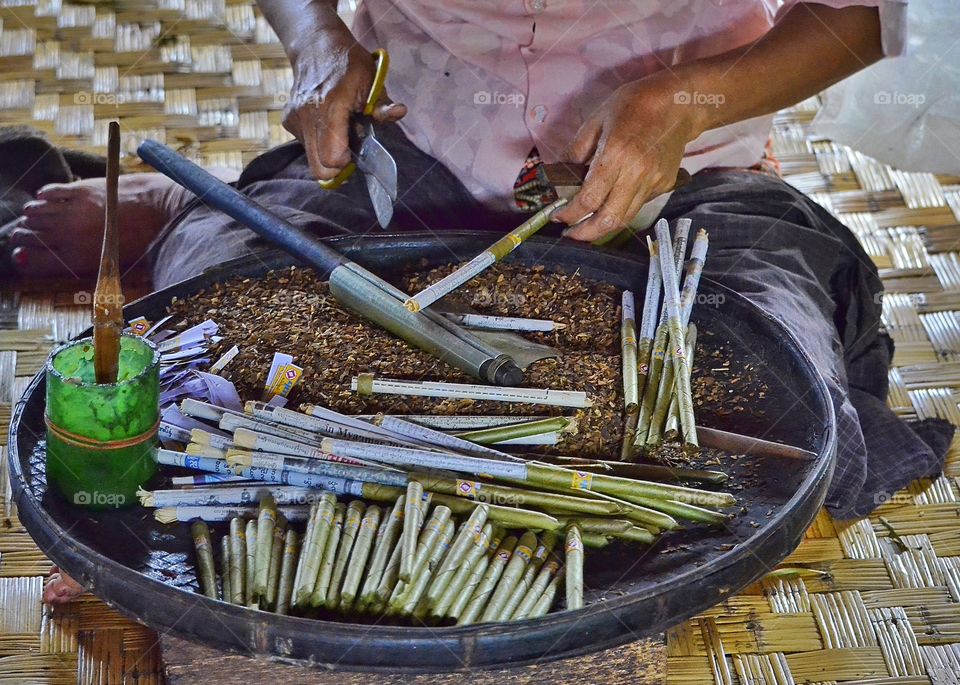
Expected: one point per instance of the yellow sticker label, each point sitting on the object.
(139, 326)
(582, 480)
(574, 545)
(286, 377)
(523, 552)
(468, 488)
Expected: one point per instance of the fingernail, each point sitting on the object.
(20, 256)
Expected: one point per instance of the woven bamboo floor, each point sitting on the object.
(874, 601)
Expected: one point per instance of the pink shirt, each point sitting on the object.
(485, 81)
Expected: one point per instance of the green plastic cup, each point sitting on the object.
(101, 438)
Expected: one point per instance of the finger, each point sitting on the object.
(387, 111)
(333, 137)
(585, 142)
(311, 145)
(591, 196)
(611, 216)
(57, 192)
(638, 202)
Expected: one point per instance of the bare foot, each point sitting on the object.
(60, 588)
(61, 230)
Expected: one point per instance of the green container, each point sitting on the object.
(101, 439)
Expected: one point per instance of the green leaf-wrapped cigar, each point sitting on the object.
(307, 536)
(388, 581)
(432, 530)
(625, 488)
(518, 497)
(599, 525)
(251, 563)
(206, 572)
(387, 535)
(238, 560)
(413, 515)
(546, 599)
(574, 567)
(266, 522)
(535, 590)
(319, 595)
(636, 534)
(473, 552)
(490, 436)
(547, 542)
(471, 528)
(226, 593)
(421, 575)
(359, 556)
(276, 558)
(511, 576)
(476, 575)
(351, 527)
(481, 596)
(313, 549)
(291, 552)
(595, 540)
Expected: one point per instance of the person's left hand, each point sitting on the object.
(634, 144)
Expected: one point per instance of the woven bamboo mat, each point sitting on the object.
(875, 601)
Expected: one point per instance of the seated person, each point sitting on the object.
(633, 89)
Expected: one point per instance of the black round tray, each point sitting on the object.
(146, 569)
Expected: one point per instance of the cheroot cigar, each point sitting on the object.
(320, 589)
(359, 556)
(491, 577)
(291, 552)
(238, 560)
(206, 571)
(574, 567)
(351, 527)
(511, 576)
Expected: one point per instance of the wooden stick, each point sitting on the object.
(108, 296)
(744, 444)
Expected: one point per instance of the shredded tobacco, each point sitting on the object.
(292, 311)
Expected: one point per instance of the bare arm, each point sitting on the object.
(332, 78)
(636, 139)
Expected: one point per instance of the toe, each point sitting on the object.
(32, 255)
(40, 208)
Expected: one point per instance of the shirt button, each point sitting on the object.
(537, 5)
(539, 114)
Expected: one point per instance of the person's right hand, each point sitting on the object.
(332, 78)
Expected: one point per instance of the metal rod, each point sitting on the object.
(352, 286)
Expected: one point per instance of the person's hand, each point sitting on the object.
(332, 78)
(634, 144)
